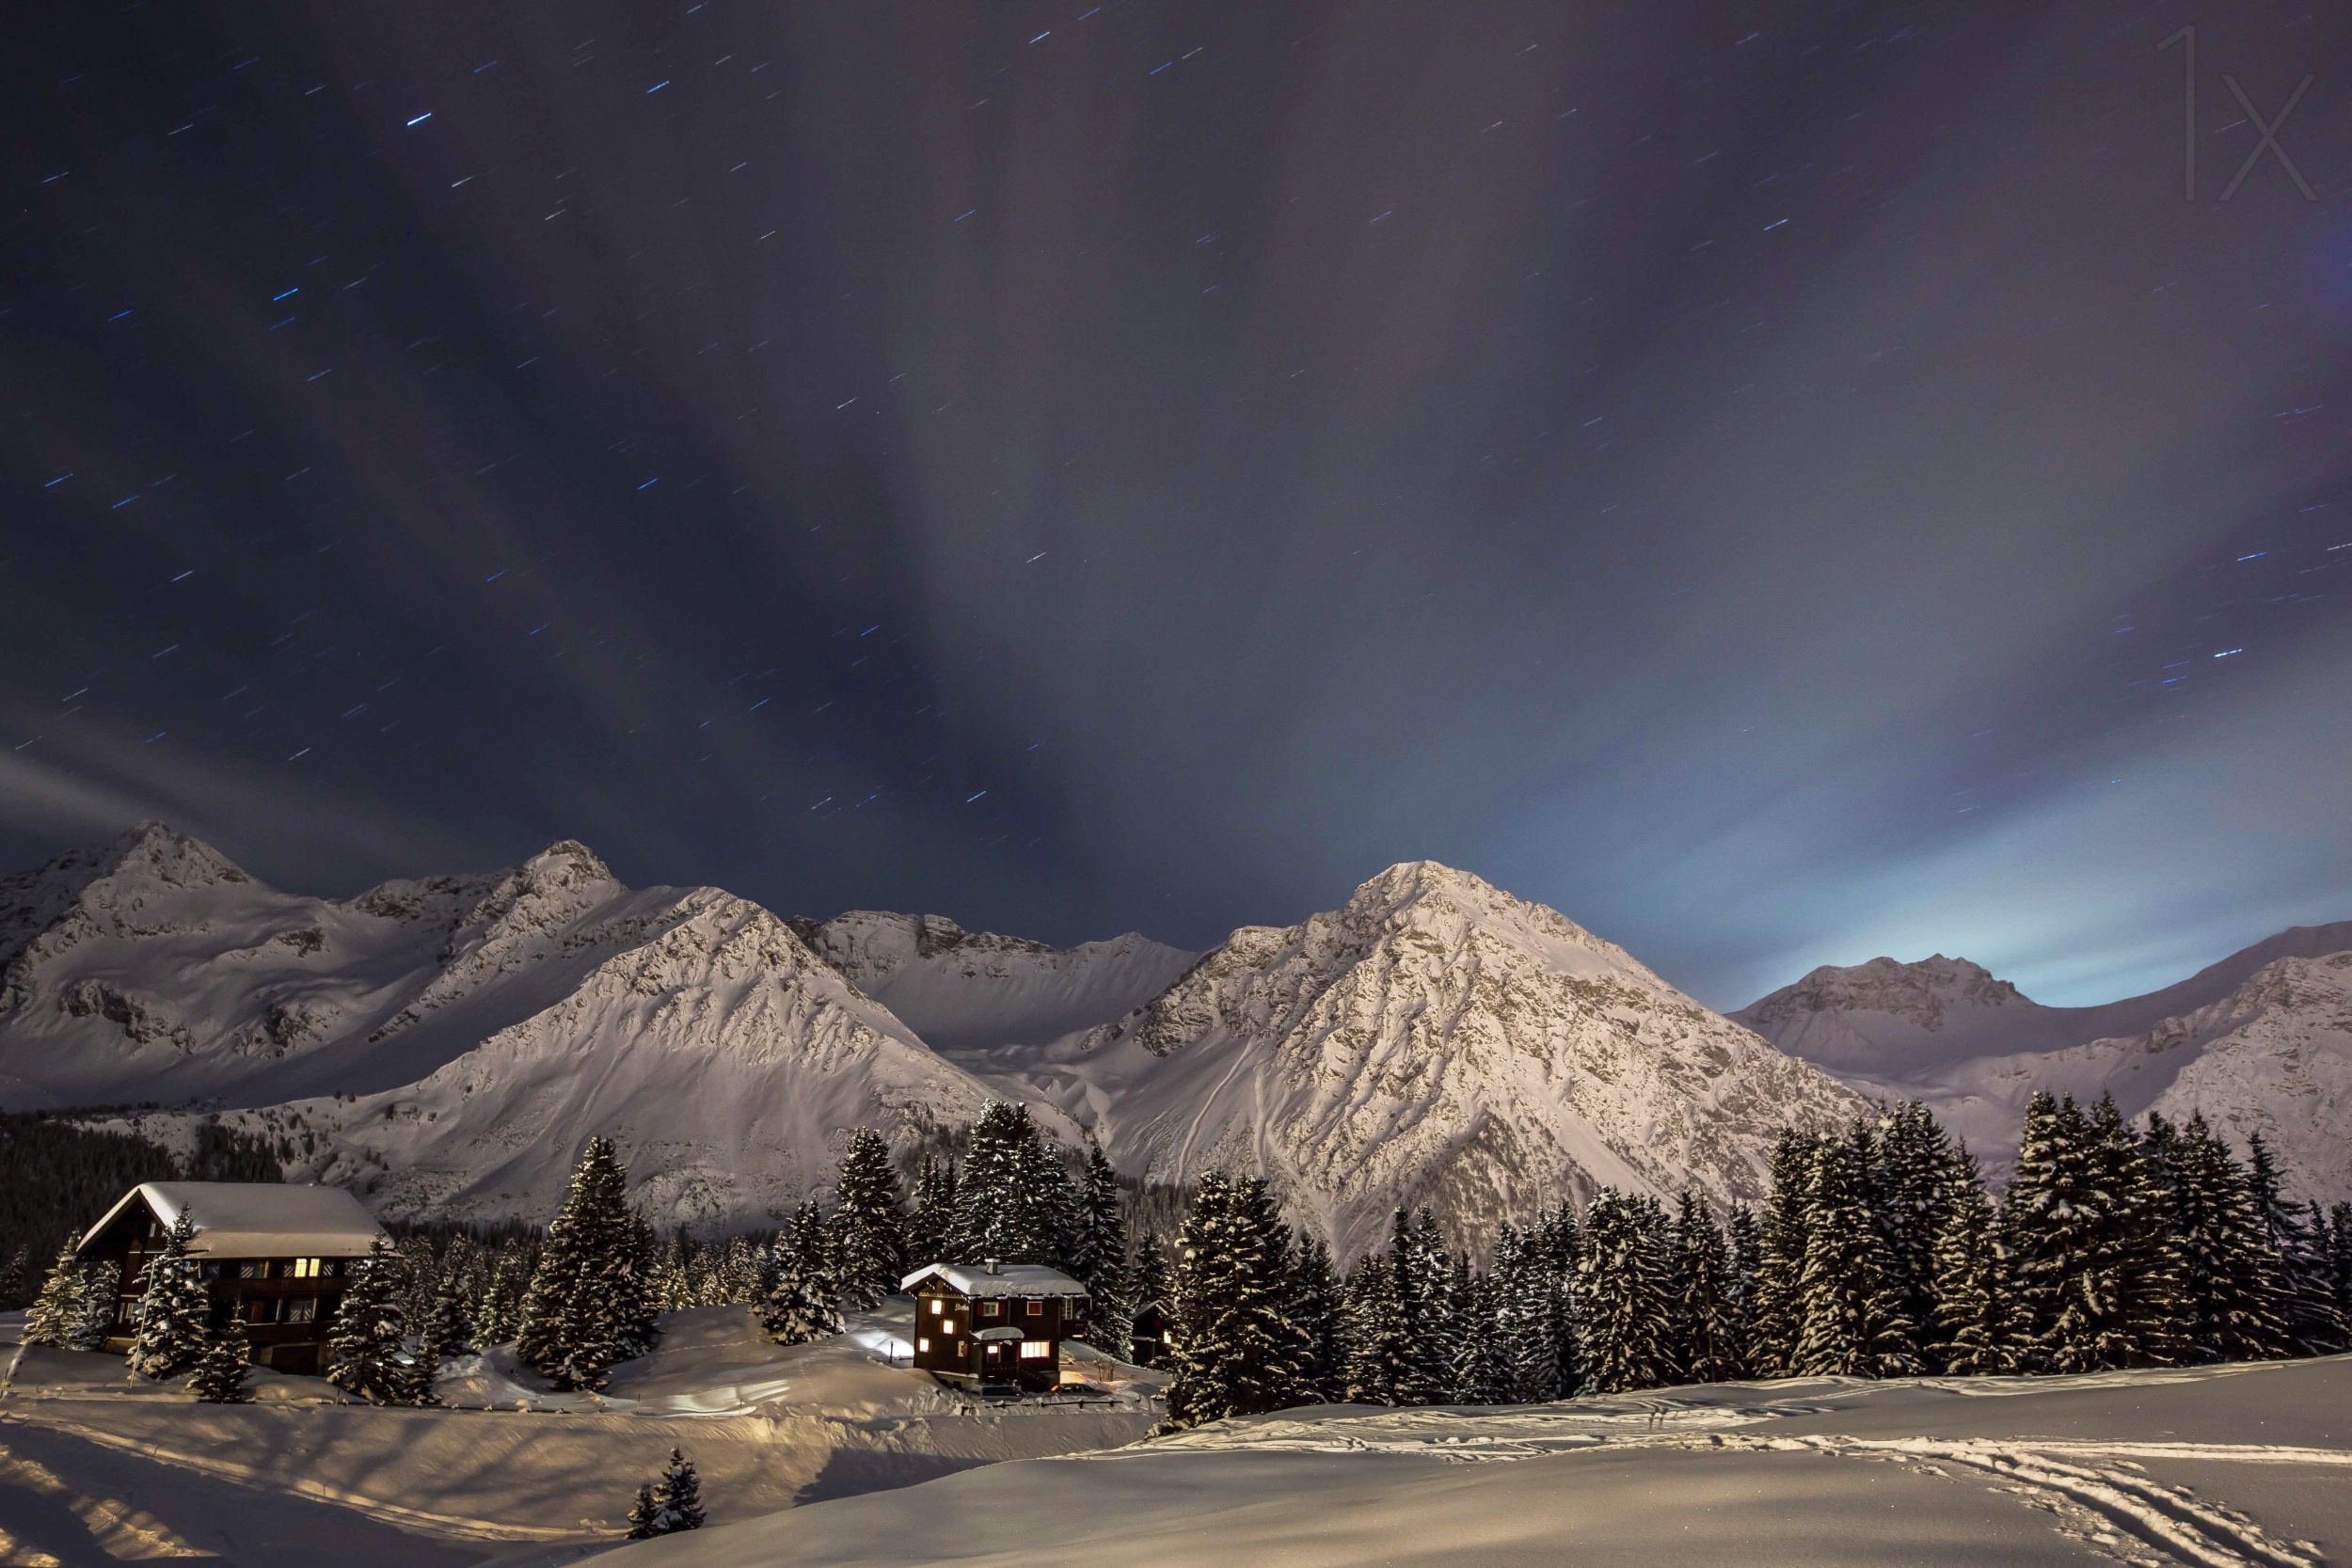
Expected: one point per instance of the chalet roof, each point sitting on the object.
(256, 1219)
(1010, 1279)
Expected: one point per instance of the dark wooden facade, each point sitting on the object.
(991, 1330)
(285, 1298)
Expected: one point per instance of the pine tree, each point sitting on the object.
(1849, 1297)
(2339, 1258)
(805, 1304)
(1704, 1319)
(587, 1306)
(1381, 1362)
(642, 1514)
(1149, 1287)
(1912, 1188)
(1482, 1374)
(174, 1308)
(1743, 1245)
(1236, 1352)
(1784, 1232)
(1013, 1201)
(1622, 1297)
(678, 1501)
(1974, 1336)
(502, 1301)
(867, 1231)
(57, 1312)
(2230, 1297)
(1316, 1307)
(930, 1227)
(100, 1290)
(2313, 1325)
(446, 1329)
(1099, 1257)
(2095, 1270)
(366, 1350)
(1528, 1301)
(221, 1371)
(16, 1280)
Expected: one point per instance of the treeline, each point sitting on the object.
(56, 1174)
(1879, 1252)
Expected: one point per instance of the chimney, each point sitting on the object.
(990, 1264)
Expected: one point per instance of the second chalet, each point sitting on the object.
(993, 1326)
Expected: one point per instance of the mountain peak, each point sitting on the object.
(1923, 992)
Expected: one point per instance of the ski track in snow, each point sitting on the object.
(2088, 1487)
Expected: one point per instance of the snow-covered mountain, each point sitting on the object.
(447, 1044)
(1434, 1042)
(971, 991)
(2257, 1041)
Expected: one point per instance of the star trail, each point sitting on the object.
(1778, 482)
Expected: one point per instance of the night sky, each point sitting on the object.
(1779, 483)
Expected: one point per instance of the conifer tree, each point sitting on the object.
(642, 1514)
(2230, 1297)
(366, 1350)
(1621, 1295)
(1099, 1257)
(1316, 1307)
(1013, 1200)
(1849, 1300)
(2339, 1258)
(587, 1306)
(678, 1499)
(58, 1313)
(1784, 1232)
(1528, 1301)
(221, 1371)
(805, 1304)
(1481, 1375)
(501, 1302)
(1974, 1333)
(867, 1230)
(448, 1330)
(1236, 1352)
(930, 1227)
(1743, 1245)
(2308, 1302)
(2095, 1281)
(1381, 1361)
(174, 1310)
(16, 1280)
(1149, 1286)
(100, 1283)
(1422, 1270)
(1704, 1331)
(1911, 1191)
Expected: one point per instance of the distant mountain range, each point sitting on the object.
(2261, 1042)
(443, 1046)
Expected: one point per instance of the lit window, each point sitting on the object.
(938, 1306)
(305, 1268)
(1035, 1349)
(922, 1345)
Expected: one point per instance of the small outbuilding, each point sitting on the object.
(993, 1326)
(276, 1258)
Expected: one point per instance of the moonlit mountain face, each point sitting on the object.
(1786, 483)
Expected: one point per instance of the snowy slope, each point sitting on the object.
(968, 990)
(1947, 1032)
(1434, 1042)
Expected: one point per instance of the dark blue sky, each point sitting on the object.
(1779, 483)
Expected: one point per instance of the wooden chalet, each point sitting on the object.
(277, 1258)
(993, 1326)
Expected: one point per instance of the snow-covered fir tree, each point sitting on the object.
(63, 1303)
(1972, 1333)
(1911, 1193)
(1529, 1302)
(933, 1218)
(1098, 1256)
(1482, 1372)
(1849, 1300)
(1381, 1368)
(448, 1327)
(16, 1280)
(2088, 1254)
(2308, 1301)
(805, 1304)
(1014, 1200)
(1783, 1234)
(1148, 1283)
(503, 1300)
(174, 1309)
(678, 1498)
(1236, 1350)
(367, 1349)
(588, 1306)
(2230, 1297)
(1705, 1337)
(1622, 1297)
(1317, 1309)
(1743, 1250)
(867, 1231)
(220, 1377)
(642, 1514)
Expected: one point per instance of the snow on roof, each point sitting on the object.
(257, 1219)
(1010, 1279)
